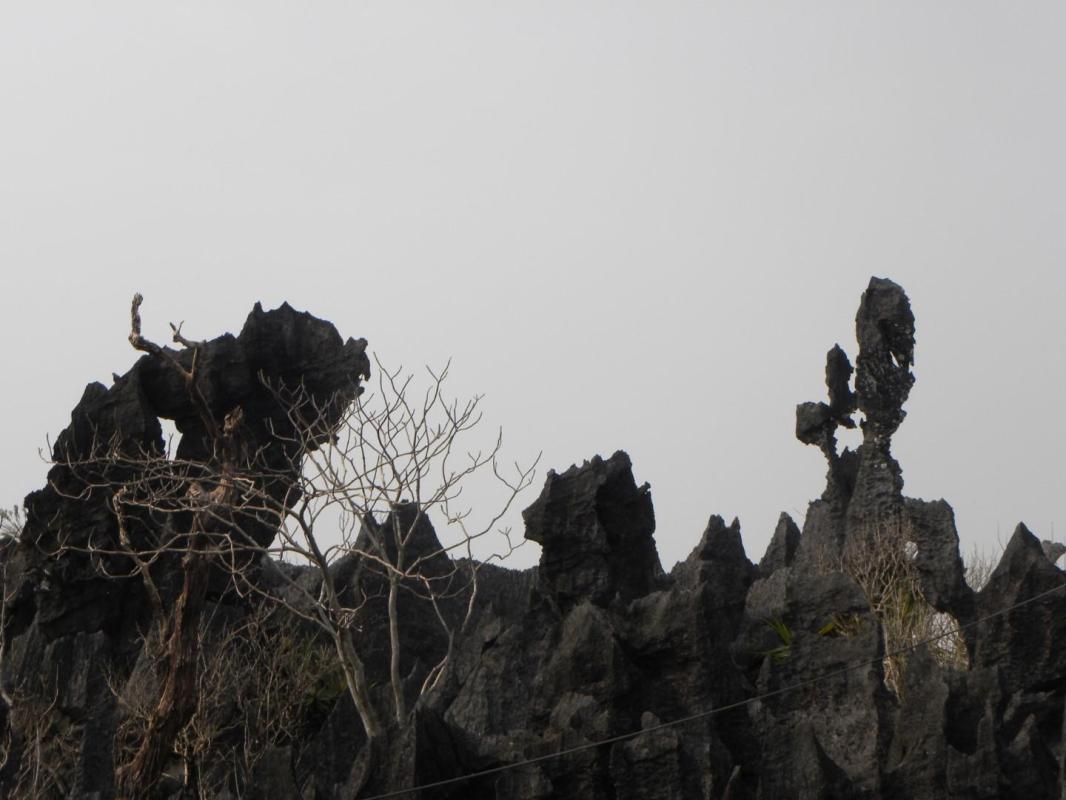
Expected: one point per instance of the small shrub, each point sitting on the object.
(11, 521)
(262, 685)
(880, 558)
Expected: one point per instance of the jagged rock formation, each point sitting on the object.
(773, 673)
(70, 633)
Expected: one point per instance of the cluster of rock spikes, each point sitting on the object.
(596, 674)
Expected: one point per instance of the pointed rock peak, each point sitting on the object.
(1022, 552)
(407, 525)
(720, 543)
(782, 547)
(1024, 645)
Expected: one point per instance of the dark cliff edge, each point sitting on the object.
(772, 671)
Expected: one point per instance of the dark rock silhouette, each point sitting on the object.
(596, 534)
(773, 673)
(69, 631)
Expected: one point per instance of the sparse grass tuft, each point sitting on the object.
(785, 636)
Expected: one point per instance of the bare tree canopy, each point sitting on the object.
(341, 481)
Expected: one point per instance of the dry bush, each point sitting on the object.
(259, 685)
(979, 568)
(880, 558)
(39, 742)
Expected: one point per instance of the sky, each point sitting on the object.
(632, 226)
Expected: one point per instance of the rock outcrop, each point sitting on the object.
(72, 635)
(595, 674)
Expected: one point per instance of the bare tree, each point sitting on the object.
(391, 463)
(354, 488)
(179, 629)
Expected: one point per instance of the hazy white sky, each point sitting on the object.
(632, 225)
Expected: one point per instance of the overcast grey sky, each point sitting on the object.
(632, 225)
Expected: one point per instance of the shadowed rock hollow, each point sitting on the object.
(598, 644)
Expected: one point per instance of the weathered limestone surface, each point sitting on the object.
(68, 631)
(598, 644)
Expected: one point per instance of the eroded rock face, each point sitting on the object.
(834, 735)
(782, 548)
(884, 326)
(69, 631)
(572, 671)
(596, 529)
(863, 488)
(956, 733)
(774, 673)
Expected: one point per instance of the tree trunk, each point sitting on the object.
(355, 678)
(178, 698)
(394, 650)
